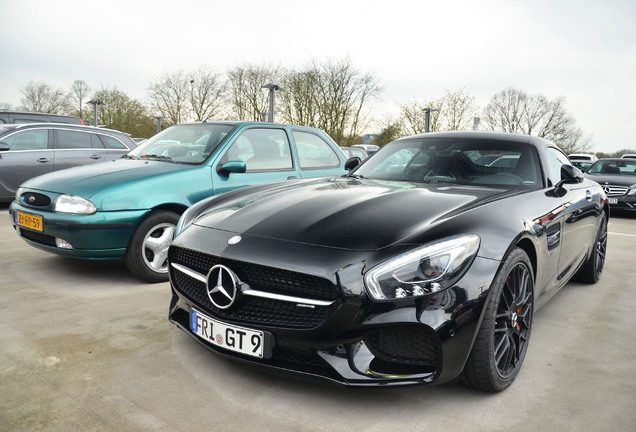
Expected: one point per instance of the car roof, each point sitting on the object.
(17, 126)
(499, 136)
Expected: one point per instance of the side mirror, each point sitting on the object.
(352, 162)
(571, 174)
(4, 147)
(231, 167)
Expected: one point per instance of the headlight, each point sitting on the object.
(73, 204)
(424, 270)
(632, 190)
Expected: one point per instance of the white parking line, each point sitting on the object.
(621, 234)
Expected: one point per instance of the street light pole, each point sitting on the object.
(159, 123)
(272, 89)
(427, 118)
(95, 103)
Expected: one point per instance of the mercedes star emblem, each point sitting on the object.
(222, 286)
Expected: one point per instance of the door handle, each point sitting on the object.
(95, 157)
(292, 178)
(44, 160)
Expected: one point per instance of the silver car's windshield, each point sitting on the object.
(444, 160)
(189, 143)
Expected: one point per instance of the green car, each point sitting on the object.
(128, 209)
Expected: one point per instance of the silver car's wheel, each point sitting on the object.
(147, 254)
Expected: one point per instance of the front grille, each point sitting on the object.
(405, 345)
(36, 199)
(38, 237)
(256, 310)
(615, 190)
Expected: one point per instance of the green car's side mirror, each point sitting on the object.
(231, 167)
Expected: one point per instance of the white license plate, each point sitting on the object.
(230, 337)
(612, 200)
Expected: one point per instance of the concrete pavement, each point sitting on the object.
(84, 346)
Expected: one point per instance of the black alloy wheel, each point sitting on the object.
(502, 340)
(592, 269)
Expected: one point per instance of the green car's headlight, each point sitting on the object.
(427, 269)
(73, 204)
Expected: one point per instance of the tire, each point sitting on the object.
(502, 340)
(592, 269)
(147, 253)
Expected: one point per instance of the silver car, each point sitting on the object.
(30, 150)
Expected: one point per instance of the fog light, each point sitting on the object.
(63, 244)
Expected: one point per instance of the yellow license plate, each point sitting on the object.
(28, 221)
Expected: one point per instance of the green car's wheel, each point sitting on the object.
(147, 254)
(502, 340)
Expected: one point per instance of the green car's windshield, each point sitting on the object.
(445, 160)
(623, 167)
(188, 143)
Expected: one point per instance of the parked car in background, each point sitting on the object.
(424, 264)
(31, 117)
(582, 160)
(629, 156)
(33, 149)
(355, 152)
(369, 148)
(617, 176)
(129, 208)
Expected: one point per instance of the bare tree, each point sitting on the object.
(246, 97)
(412, 118)
(454, 111)
(458, 110)
(41, 97)
(207, 91)
(170, 96)
(515, 111)
(121, 112)
(331, 96)
(79, 92)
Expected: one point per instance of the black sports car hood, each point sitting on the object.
(343, 212)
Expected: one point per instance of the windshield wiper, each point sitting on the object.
(127, 156)
(158, 157)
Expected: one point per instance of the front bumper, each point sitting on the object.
(103, 235)
(353, 341)
(622, 202)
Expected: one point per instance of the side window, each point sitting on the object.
(37, 139)
(112, 143)
(261, 150)
(95, 142)
(68, 139)
(314, 152)
(556, 159)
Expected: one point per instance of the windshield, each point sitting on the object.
(188, 143)
(623, 167)
(455, 160)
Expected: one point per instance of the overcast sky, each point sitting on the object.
(582, 50)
